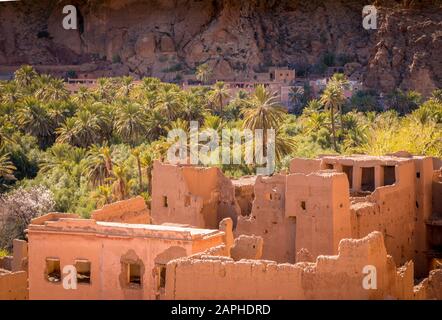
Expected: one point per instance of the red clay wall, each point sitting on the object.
(331, 277)
(126, 211)
(268, 220)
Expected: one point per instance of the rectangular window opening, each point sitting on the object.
(161, 272)
(53, 272)
(83, 271)
(165, 203)
(134, 274)
(389, 175)
(367, 183)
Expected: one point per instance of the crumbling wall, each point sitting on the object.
(244, 194)
(434, 223)
(422, 177)
(390, 210)
(13, 285)
(197, 196)
(13, 273)
(126, 211)
(268, 220)
(330, 277)
(247, 247)
(20, 255)
(437, 194)
(320, 204)
(306, 166)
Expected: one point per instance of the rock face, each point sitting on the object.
(237, 38)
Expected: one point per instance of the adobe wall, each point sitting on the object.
(127, 211)
(423, 182)
(434, 223)
(330, 277)
(20, 255)
(244, 193)
(320, 204)
(197, 196)
(437, 193)
(306, 166)
(13, 285)
(397, 202)
(108, 247)
(268, 220)
(391, 210)
(13, 273)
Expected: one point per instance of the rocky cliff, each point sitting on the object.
(169, 38)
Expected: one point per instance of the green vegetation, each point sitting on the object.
(3, 253)
(98, 146)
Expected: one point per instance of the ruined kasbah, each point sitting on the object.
(334, 227)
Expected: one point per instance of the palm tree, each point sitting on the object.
(203, 72)
(168, 103)
(34, 119)
(156, 125)
(284, 144)
(63, 156)
(150, 84)
(87, 128)
(49, 89)
(213, 122)
(192, 108)
(7, 168)
(83, 95)
(98, 165)
(136, 152)
(105, 114)
(58, 111)
(9, 93)
(296, 95)
(315, 121)
(147, 159)
(24, 76)
(5, 136)
(56, 90)
(103, 90)
(313, 106)
(263, 110)
(125, 88)
(219, 95)
(67, 132)
(436, 95)
(130, 122)
(120, 186)
(333, 99)
(341, 81)
(102, 196)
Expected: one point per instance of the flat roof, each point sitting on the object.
(366, 158)
(158, 227)
(56, 223)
